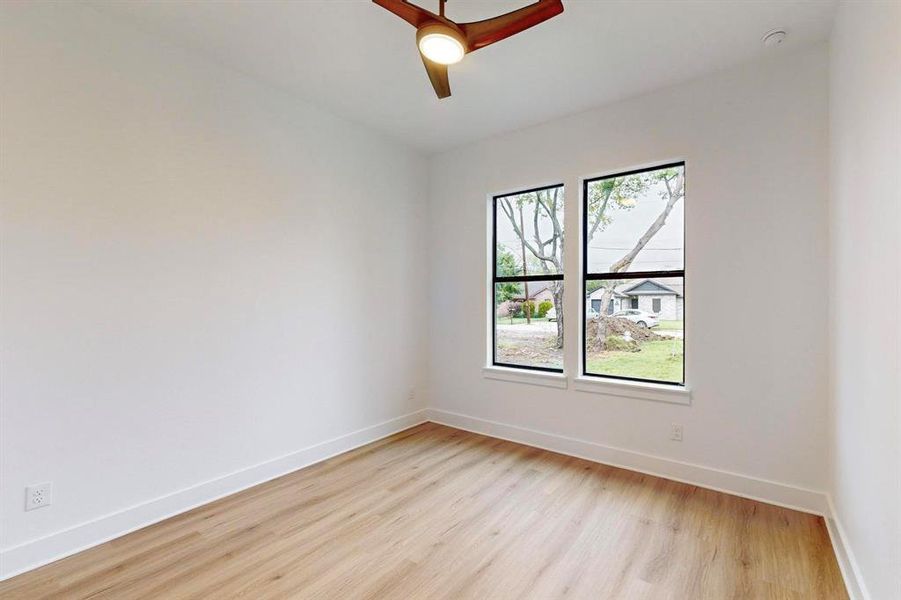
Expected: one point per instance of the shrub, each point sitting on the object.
(544, 307)
(528, 308)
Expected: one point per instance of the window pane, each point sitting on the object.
(635, 222)
(638, 343)
(530, 229)
(529, 333)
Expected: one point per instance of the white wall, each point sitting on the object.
(188, 266)
(755, 142)
(865, 226)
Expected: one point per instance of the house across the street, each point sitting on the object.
(662, 297)
(539, 291)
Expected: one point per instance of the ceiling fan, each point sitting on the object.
(442, 42)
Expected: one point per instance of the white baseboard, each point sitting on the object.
(771, 492)
(854, 583)
(41, 551)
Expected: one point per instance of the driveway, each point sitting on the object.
(526, 330)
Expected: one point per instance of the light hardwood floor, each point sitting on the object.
(435, 512)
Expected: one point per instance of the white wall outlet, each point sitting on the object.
(37, 496)
(676, 432)
(412, 394)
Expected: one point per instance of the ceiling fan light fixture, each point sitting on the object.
(441, 44)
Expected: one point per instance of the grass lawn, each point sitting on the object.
(670, 326)
(654, 361)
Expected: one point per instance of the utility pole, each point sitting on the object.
(527, 308)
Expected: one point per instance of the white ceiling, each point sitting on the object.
(360, 61)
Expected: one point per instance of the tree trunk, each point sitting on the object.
(527, 308)
(557, 291)
(602, 320)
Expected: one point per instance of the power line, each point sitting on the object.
(628, 248)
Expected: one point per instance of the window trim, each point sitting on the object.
(529, 376)
(608, 386)
(494, 279)
(584, 375)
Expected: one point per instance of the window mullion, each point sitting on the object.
(571, 268)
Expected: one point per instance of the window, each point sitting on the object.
(633, 247)
(527, 278)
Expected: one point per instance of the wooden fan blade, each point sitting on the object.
(482, 33)
(438, 76)
(412, 14)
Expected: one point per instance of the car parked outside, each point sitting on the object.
(639, 317)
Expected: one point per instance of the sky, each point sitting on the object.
(663, 252)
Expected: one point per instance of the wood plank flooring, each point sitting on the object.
(435, 512)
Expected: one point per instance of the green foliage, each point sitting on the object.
(506, 267)
(593, 285)
(606, 196)
(543, 307)
(505, 292)
(528, 308)
(506, 262)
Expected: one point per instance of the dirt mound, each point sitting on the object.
(618, 327)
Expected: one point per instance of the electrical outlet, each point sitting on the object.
(676, 433)
(37, 496)
(412, 394)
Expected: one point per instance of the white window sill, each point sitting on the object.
(633, 389)
(545, 378)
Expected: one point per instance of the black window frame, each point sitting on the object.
(588, 276)
(658, 303)
(515, 278)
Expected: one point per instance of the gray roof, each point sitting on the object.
(535, 288)
(668, 285)
(659, 286)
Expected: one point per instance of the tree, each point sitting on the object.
(546, 207)
(621, 190)
(527, 307)
(606, 197)
(506, 267)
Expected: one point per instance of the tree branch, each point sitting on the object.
(600, 214)
(518, 231)
(626, 260)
